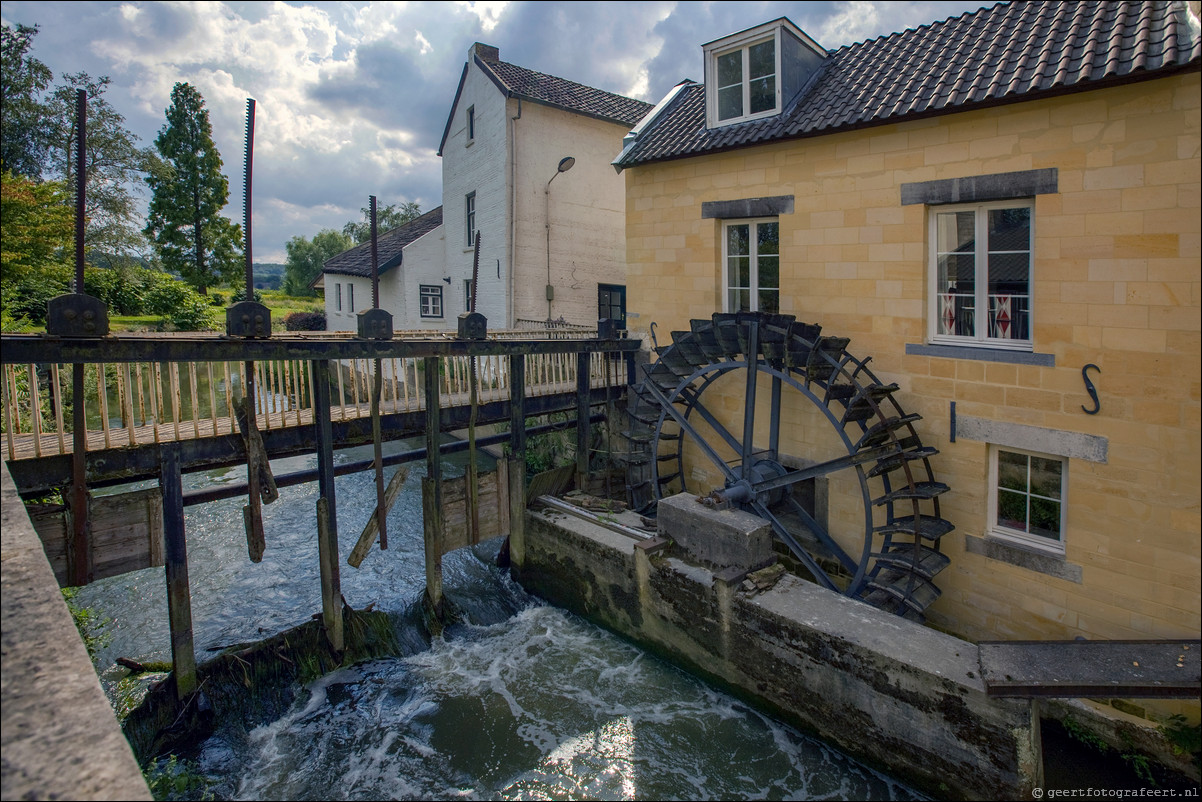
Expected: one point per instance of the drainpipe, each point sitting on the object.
(513, 204)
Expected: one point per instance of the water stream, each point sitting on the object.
(520, 701)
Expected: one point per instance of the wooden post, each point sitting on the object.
(79, 551)
(327, 513)
(378, 454)
(179, 600)
(517, 462)
(582, 414)
(432, 514)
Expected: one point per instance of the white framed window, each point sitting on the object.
(350, 297)
(1027, 498)
(980, 272)
(471, 124)
(337, 297)
(751, 264)
(431, 300)
(743, 76)
(469, 218)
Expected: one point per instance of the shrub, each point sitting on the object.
(240, 295)
(194, 313)
(121, 289)
(305, 321)
(165, 294)
(27, 297)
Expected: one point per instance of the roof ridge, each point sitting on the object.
(926, 25)
(1011, 51)
(558, 78)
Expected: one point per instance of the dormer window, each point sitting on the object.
(752, 74)
(746, 82)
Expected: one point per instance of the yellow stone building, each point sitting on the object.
(1002, 210)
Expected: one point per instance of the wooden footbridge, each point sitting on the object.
(157, 406)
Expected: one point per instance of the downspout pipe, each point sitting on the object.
(513, 206)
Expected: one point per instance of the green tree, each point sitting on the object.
(184, 221)
(38, 225)
(387, 218)
(114, 164)
(23, 128)
(306, 258)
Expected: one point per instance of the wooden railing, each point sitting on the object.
(137, 403)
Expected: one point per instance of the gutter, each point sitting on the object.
(631, 139)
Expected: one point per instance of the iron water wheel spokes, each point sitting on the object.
(681, 408)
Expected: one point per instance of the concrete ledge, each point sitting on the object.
(899, 696)
(60, 737)
(1030, 559)
(719, 538)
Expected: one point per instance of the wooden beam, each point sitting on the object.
(327, 513)
(517, 463)
(432, 516)
(179, 599)
(582, 424)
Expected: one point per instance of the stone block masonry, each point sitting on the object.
(899, 696)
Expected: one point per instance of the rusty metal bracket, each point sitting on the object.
(75, 314)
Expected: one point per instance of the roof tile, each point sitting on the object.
(389, 247)
(569, 95)
(1021, 48)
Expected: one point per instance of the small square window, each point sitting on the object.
(1027, 498)
(431, 300)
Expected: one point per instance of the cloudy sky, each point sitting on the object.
(352, 97)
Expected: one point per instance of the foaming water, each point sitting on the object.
(518, 699)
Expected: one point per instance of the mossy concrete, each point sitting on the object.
(897, 695)
(60, 738)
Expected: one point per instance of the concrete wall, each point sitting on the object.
(353, 301)
(897, 695)
(481, 166)
(60, 737)
(587, 213)
(1116, 284)
(425, 263)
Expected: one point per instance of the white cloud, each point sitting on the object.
(489, 13)
(857, 21)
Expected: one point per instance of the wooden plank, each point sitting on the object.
(179, 599)
(433, 528)
(126, 533)
(327, 510)
(370, 529)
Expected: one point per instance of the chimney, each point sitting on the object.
(487, 53)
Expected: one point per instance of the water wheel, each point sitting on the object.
(874, 449)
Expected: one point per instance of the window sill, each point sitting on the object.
(1013, 554)
(982, 354)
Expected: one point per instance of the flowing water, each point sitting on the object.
(520, 700)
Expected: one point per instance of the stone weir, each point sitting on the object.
(895, 694)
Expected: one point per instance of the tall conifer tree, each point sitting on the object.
(184, 221)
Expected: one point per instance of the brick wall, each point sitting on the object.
(1116, 284)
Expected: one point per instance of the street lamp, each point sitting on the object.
(565, 164)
